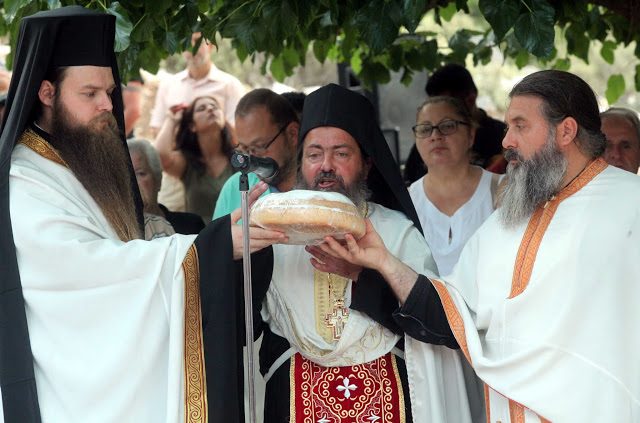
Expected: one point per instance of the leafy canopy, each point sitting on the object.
(375, 37)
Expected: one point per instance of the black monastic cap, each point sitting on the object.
(339, 107)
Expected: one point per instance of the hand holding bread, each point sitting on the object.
(258, 238)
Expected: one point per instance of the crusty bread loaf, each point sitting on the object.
(306, 217)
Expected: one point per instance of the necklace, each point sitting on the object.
(339, 315)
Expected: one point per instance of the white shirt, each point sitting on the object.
(437, 226)
(180, 88)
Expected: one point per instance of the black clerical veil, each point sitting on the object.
(68, 36)
(339, 107)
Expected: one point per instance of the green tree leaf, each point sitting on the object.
(562, 64)
(534, 30)
(637, 78)
(522, 59)
(577, 41)
(448, 11)
(321, 49)
(378, 23)
(277, 68)
(413, 11)
(374, 72)
(407, 76)
(170, 42)
(615, 88)
(607, 51)
(501, 14)
(11, 8)
(123, 26)
(157, 7)
(144, 30)
(356, 62)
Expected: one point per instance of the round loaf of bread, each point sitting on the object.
(306, 217)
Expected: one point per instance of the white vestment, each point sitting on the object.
(106, 318)
(290, 312)
(548, 315)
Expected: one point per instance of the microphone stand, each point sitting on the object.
(248, 302)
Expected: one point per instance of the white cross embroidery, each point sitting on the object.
(324, 419)
(347, 388)
(373, 418)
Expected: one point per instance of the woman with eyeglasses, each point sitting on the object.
(195, 143)
(454, 198)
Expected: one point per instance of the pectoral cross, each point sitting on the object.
(337, 320)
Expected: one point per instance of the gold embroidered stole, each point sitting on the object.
(38, 144)
(195, 378)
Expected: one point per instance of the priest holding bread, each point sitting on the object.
(332, 350)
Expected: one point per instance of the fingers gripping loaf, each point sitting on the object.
(306, 217)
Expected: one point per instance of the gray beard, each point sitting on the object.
(358, 192)
(530, 183)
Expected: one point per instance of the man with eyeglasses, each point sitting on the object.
(266, 126)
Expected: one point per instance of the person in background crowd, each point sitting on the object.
(296, 100)
(195, 145)
(454, 80)
(455, 197)
(200, 78)
(621, 126)
(132, 100)
(266, 126)
(148, 170)
(3, 103)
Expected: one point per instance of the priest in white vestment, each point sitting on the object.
(332, 351)
(544, 299)
(96, 324)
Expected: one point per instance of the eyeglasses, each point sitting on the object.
(446, 127)
(259, 150)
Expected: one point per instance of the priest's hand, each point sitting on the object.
(258, 238)
(370, 252)
(325, 262)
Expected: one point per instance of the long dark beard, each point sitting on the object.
(99, 160)
(358, 192)
(531, 183)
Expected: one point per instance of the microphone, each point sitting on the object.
(265, 167)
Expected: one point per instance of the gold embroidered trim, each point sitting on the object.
(456, 322)
(292, 388)
(195, 379)
(486, 402)
(401, 412)
(516, 412)
(36, 143)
